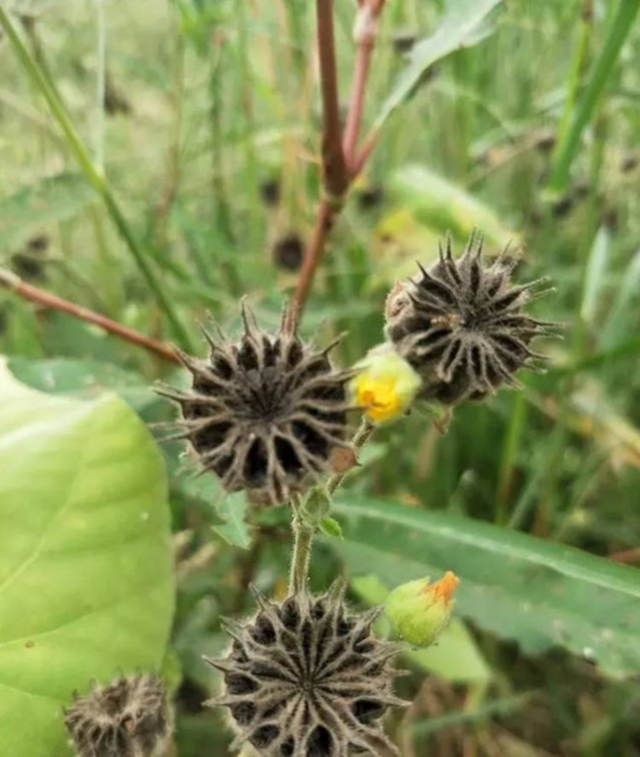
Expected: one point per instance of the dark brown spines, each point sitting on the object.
(307, 678)
(265, 413)
(461, 325)
(128, 718)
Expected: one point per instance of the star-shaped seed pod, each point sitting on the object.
(128, 718)
(308, 678)
(461, 324)
(266, 413)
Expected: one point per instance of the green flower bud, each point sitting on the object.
(420, 610)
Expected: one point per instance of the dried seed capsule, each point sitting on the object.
(307, 678)
(462, 327)
(265, 413)
(128, 718)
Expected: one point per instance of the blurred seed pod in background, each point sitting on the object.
(271, 192)
(288, 251)
(370, 198)
(30, 262)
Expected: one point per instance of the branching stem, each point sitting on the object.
(14, 283)
(341, 161)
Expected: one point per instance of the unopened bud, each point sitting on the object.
(420, 610)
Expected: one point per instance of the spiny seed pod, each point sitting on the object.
(308, 678)
(266, 413)
(461, 325)
(128, 718)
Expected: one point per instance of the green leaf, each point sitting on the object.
(539, 593)
(86, 587)
(615, 329)
(599, 258)
(57, 198)
(466, 23)
(86, 379)
(331, 528)
(442, 206)
(569, 143)
(455, 657)
(232, 508)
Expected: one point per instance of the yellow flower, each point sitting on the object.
(386, 385)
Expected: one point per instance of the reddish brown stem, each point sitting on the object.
(365, 33)
(354, 119)
(325, 220)
(45, 299)
(335, 174)
(363, 156)
(337, 156)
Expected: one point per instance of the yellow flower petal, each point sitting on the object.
(386, 385)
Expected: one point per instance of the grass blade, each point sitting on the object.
(93, 175)
(512, 584)
(568, 145)
(464, 25)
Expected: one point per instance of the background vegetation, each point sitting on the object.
(209, 140)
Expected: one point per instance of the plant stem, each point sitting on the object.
(303, 525)
(362, 436)
(340, 164)
(335, 174)
(578, 66)
(303, 534)
(10, 281)
(93, 175)
(327, 214)
(334, 168)
(365, 33)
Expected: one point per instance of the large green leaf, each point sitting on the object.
(465, 24)
(86, 587)
(85, 379)
(541, 593)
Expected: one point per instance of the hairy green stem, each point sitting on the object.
(305, 524)
(95, 177)
(303, 534)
